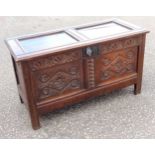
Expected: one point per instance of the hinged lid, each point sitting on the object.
(30, 46)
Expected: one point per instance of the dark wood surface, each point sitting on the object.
(51, 80)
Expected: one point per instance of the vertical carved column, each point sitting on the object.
(90, 53)
(90, 73)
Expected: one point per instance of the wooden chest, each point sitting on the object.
(63, 67)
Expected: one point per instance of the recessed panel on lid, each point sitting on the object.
(103, 30)
(44, 42)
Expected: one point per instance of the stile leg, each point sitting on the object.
(137, 88)
(138, 85)
(35, 120)
(31, 102)
(21, 100)
(16, 76)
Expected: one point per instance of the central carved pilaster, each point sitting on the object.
(90, 73)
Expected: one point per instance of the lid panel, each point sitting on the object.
(31, 45)
(102, 30)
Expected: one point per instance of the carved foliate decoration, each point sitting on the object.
(119, 64)
(51, 83)
(54, 60)
(120, 44)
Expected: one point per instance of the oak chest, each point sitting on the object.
(62, 67)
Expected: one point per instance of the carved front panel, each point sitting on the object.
(58, 80)
(116, 64)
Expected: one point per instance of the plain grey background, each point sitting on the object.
(119, 114)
